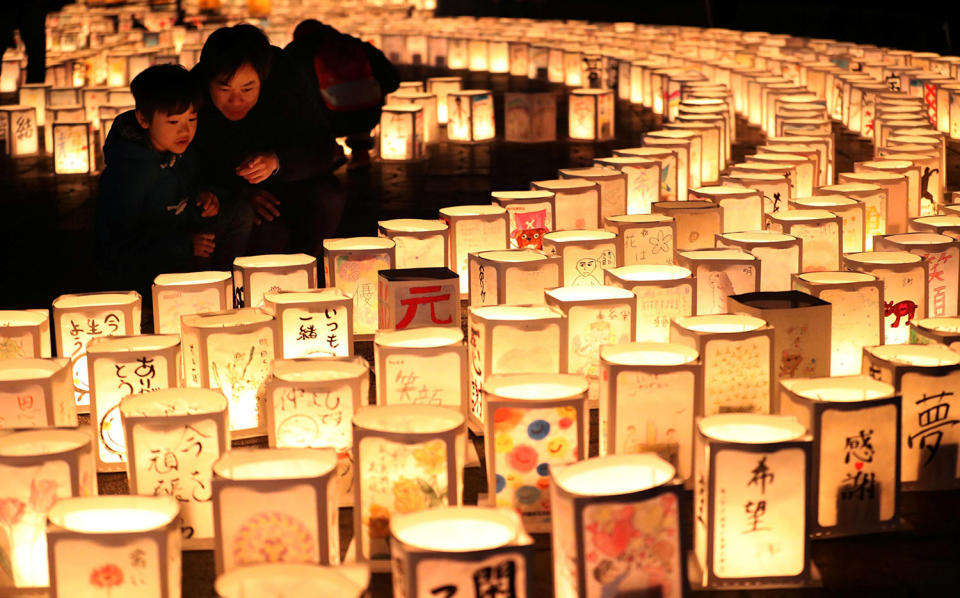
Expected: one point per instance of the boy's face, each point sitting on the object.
(236, 96)
(170, 132)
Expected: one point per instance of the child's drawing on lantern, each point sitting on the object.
(588, 273)
(721, 287)
(238, 366)
(529, 226)
(586, 348)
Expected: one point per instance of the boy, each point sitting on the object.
(149, 214)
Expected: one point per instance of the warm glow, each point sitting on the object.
(641, 354)
(95, 300)
(803, 215)
(544, 387)
(589, 293)
(275, 464)
(226, 319)
(479, 210)
(21, 318)
(840, 389)
(408, 419)
(191, 278)
(885, 257)
(455, 529)
(17, 370)
(918, 355)
(919, 239)
(614, 474)
(717, 254)
(751, 428)
(758, 236)
(824, 201)
(721, 323)
(358, 244)
(420, 338)
(173, 401)
(515, 312)
(567, 236)
(113, 514)
(940, 324)
(639, 218)
(412, 225)
(650, 272)
(274, 260)
(312, 296)
(512, 256)
(836, 277)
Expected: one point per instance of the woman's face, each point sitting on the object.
(236, 96)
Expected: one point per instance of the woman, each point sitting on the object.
(262, 141)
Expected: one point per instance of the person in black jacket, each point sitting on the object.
(262, 140)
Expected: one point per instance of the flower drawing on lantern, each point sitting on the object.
(273, 537)
(662, 242)
(12, 348)
(107, 577)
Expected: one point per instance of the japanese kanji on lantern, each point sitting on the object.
(854, 421)
(282, 579)
(720, 273)
(668, 159)
(442, 86)
(576, 203)
(613, 184)
(751, 474)
(598, 501)
(536, 421)
(351, 265)
(942, 256)
(408, 458)
(422, 366)
(176, 295)
(697, 222)
(852, 215)
(663, 292)
(584, 255)
(643, 181)
(256, 275)
(461, 550)
(172, 438)
(643, 238)
(313, 323)
(530, 117)
(24, 333)
(120, 366)
(79, 318)
(36, 393)
(926, 377)
(905, 279)
(416, 297)
(887, 215)
(473, 229)
(18, 126)
(943, 331)
(73, 148)
(420, 243)
(38, 468)
(275, 506)
(742, 208)
(470, 115)
(114, 544)
(232, 351)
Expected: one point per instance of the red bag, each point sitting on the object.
(344, 75)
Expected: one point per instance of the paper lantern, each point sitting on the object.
(802, 166)
(720, 273)
(907, 169)
(38, 468)
(428, 130)
(457, 54)
(500, 339)
(35, 94)
(478, 54)
(904, 276)
(941, 254)
(708, 134)
(79, 318)
(417, 297)
(926, 378)
(855, 422)
(821, 232)
(687, 147)
(24, 333)
(873, 197)
(423, 366)
(402, 132)
(599, 498)
(313, 323)
(924, 174)
(121, 366)
(697, 222)
(441, 86)
(530, 117)
(10, 79)
(774, 188)
(893, 211)
(779, 255)
(668, 159)
(946, 224)
(177, 295)
(519, 56)
(941, 331)
(409, 458)
(613, 185)
(473, 229)
(530, 215)
(512, 277)
(663, 292)
(172, 438)
(232, 351)
(351, 265)
(36, 393)
(643, 238)
(419, 243)
(576, 203)
(811, 170)
(18, 127)
(741, 208)
(584, 255)
(277, 505)
(470, 115)
(279, 579)
(750, 494)
(643, 180)
(536, 422)
(72, 148)
(852, 215)
(99, 545)
(591, 114)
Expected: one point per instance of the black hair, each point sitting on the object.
(229, 48)
(311, 28)
(169, 88)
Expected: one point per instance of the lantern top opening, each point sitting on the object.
(412, 225)
(916, 355)
(836, 277)
(420, 338)
(191, 278)
(536, 387)
(648, 354)
(625, 161)
(227, 319)
(516, 312)
(531, 194)
(568, 236)
(741, 175)
(513, 255)
(15, 370)
(724, 190)
(717, 254)
(318, 370)
(650, 272)
(600, 293)
(751, 428)
(937, 324)
(839, 389)
(720, 323)
(660, 152)
(140, 342)
(36, 443)
(288, 579)
(114, 514)
(358, 244)
(403, 108)
(408, 419)
(278, 260)
(585, 91)
(563, 184)
(758, 236)
(884, 257)
(594, 172)
(17, 317)
(803, 215)
(456, 529)
(275, 463)
(96, 300)
(919, 239)
(614, 474)
(873, 175)
(479, 210)
(825, 201)
(308, 296)
(941, 220)
(168, 402)
(639, 219)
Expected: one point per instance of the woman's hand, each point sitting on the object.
(203, 244)
(266, 206)
(258, 168)
(208, 203)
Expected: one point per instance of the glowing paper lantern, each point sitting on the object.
(530, 214)
(687, 147)
(668, 159)
(38, 468)
(420, 243)
(72, 148)
(232, 351)
(576, 203)
(708, 134)
(24, 333)
(803, 166)
(941, 254)
(408, 458)
(516, 276)
(35, 94)
(584, 255)
(36, 393)
(751, 474)
(276, 505)
(926, 378)
(737, 356)
(854, 421)
(177, 295)
(741, 208)
(775, 188)
(121, 366)
(423, 366)
(720, 273)
(478, 54)
(79, 318)
(873, 197)
(499, 341)
(108, 530)
(941, 331)
(473, 229)
(643, 238)
(925, 179)
(852, 215)
(946, 224)
(697, 222)
(536, 422)
(313, 323)
(351, 265)
(907, 169)
(10, 79)
(893, 211)
(441, 86)
(643, 180)
(173, 436)
(428, 130)
(417, 297)
(470, 115)
(530, 117)
(591, 114)
(402, 132)
(821, 232)
(779, 255)
(613, 185)
(256, 275)
(904, 276)
(663, 292)
(280, 579)
(519, 58)
(18, 127)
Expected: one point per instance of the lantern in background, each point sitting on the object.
(478, 54)
(35, 94)
(408, 458)
(512, 277)
(774, 188)
(256, 275)
(73, 149)
(512, 339)
(643, 238)
(687, 147)
(279, 579)
(821, 232)
(697, 222)
(473, 229)
(530, 214)
(417, 297)
(905, 168)
(591, 114)
(943, 331)
(423, 366)
(125, 365)
(470, 115)
(584, 255)
(177, 295)
(401, 132)
(536, 422)
(736, 351)
(106, 531)
(277, 505)
(801, 166)
(852, 215)
(779, 255)
(946, 224)
(351, 265)
(668, 159)
(185, 427)
(18, 127)
(926, 378)
(855, 422)
(874, 200)
(24, 333)
(232, 351)
(742, 208)
(313, 323)
(36, 393)
(941, 254)
(708, 134)
(893, 211)
(750, 493)
(613, 186)
(530, 117)
(576, 203)
(441, 87)
(904, 276)
(720, 273)
(79, 318)
(428, 131)
(419, 243)
(10, 80)
(663, 292)
(643, 181)
(38, 468)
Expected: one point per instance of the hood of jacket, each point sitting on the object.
(129, 141)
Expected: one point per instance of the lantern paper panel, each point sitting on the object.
(904, 278)
(473, 229)
(24, 333)
(943, 331)
(644, 238)
(942, 256)
(668, 160)
(256, 275)
(176, 295)
(741, 208)
(720, 273)
(530, 215)
(422, 366)
(441, 86)
(402, 132)
(530, 117)
(663, 293)
(36, 393)
(18, 128)
(643, 180)
(417, 297)
(852, 214)
(279, 579)
(585, 255)
(779, 255)
(821, 232)
(697, 222)
(73, 149)
(351, 265)
(576, 203)
(613, 186)
(313, 323)
(470, 116)
(420, 243)
(429, 129)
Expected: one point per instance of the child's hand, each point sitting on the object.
(203, 244)
(266, 206)
(208, 203)
(258, 168)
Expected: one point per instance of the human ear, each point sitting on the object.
(142, 120)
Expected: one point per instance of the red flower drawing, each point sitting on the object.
(106, 576)
(43, 494)
(11, 510)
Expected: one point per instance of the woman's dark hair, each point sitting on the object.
(229, 48)
(169, 88)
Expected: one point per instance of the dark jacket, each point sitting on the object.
(145, 213)
(285, 121)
